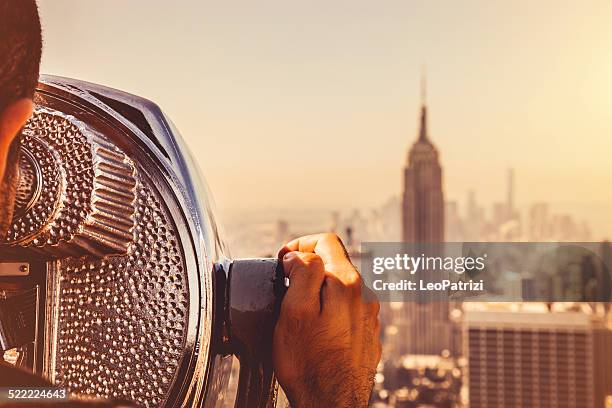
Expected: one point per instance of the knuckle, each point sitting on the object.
(355, 285)
(349, 288)
(311, 258)
(312, 262)
(304, 260)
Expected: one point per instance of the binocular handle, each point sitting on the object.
(254, 293)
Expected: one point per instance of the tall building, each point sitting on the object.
(454, 229)
(510, 195)
(423, 204)
(475, 219)
(602, 376)
(425, 324)
(539, 223)
(534, 359)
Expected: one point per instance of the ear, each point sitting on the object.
(11, 121)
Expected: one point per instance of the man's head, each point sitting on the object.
(20, 51)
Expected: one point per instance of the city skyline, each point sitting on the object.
(308, 89)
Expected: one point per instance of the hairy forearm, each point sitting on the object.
(341, 388)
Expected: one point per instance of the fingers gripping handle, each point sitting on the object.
(255, 291)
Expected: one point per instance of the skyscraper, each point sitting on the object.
(423, 204)
(425, 323)
(510, 195)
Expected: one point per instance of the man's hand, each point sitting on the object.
(326, 343)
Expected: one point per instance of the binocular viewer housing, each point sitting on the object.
(115, 281)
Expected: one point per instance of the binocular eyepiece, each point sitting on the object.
(115, 281)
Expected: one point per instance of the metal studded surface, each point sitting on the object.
(28, 189)
(47, 133)
(38, 191)
(76, 190)
(122, 321)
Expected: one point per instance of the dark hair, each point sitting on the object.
(20, 50)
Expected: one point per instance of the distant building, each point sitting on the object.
(539, 224)
(454, 229)
(535, 359)
(475, 219)
(510, 212)
(423, 203)
(602, 351)
(425, 324)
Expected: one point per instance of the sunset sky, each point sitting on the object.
(315, 103)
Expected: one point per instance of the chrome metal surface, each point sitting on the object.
(122, 321)
(14, 268)
(113, 212)
(129, 255)
(76, 191)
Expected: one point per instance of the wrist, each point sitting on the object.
(343, 396)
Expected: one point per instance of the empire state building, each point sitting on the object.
(423, 203)
(425, 323)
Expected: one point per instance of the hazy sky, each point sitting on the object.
(315, 103)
